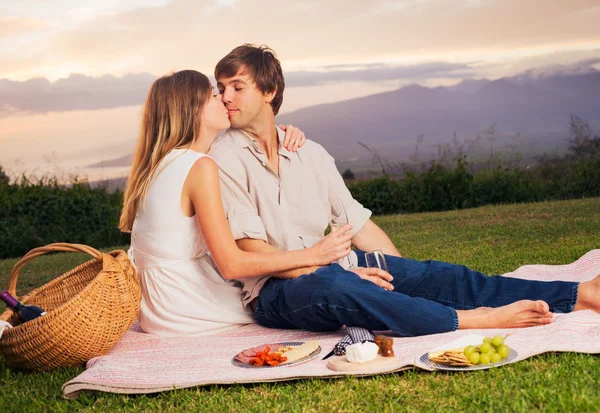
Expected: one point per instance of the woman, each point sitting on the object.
(173, 209)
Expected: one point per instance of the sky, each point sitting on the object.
(74, 73)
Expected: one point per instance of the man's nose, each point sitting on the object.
(226, 96)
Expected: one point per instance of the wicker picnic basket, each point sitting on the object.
(88, 310)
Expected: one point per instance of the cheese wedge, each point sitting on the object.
(301, 351)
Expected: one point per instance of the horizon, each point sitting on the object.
(106, 55)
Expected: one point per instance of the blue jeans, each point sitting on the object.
(425, 298)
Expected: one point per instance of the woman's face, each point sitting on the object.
(214, 118)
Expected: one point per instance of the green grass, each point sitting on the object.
(493, 239)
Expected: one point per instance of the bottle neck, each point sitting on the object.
(10, 301)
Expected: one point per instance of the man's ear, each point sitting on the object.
(270, 96)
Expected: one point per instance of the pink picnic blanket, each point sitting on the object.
(143, 363)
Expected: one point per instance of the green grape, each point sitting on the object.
(492, 351)
(474, 357)
(495, 358)
(503, 350)
(485, 347)
(487, 340)
(497, 340)
(469, 350)
(484, 359)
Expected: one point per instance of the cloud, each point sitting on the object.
(77, 92)
(377, 72)
(197, 33)
(14, 26)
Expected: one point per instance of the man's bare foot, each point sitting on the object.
(588, 295)
(524, 313)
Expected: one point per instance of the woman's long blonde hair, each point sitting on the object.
(171, 119)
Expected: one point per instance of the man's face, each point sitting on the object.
(243, 100)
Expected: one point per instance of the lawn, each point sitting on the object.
(492, 239)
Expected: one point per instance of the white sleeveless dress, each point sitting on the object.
(183, 293)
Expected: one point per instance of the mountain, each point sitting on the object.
(469, 85)
(537, 108)
(122, 161)
(535, 105)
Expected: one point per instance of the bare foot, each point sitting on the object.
(588, 295)
(524, 313)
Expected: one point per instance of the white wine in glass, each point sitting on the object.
(334, 227)
(376, 259)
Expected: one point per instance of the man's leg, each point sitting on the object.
(462, 288)
(331, 297)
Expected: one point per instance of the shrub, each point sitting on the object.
(381, 195)
(36, 214)
(503, 186)
(450, 182)
(4, 179)
(348, 175)
(439, 188)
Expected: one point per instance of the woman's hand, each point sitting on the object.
(334, 246)
(294, 138)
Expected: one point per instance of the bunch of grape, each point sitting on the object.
(492, 350)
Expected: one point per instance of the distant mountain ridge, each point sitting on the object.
(536, 106)
(117, 162)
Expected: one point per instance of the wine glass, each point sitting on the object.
(376, 259)
(334, 226)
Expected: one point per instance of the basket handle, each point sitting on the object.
(36, 252)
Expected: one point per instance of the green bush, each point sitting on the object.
(382, 195)
(449, 182)
(506, 186)
(439, 188)
(583, 181)
(36, 214)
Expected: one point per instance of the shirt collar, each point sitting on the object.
(245, 140)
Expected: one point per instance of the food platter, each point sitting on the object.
(236, 362)
(512, 355)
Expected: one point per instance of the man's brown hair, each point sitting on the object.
(261, 65)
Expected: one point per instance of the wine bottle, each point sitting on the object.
(24, 312)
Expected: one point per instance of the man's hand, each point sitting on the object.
(334, 246)
(376, 276)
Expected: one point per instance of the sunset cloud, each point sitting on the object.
(159, 36)
(377, 73)
(79, 92)
(14, 26)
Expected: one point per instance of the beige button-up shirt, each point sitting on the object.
(290, 210)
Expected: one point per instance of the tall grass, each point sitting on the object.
(459, 178)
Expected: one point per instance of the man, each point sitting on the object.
(275, 199)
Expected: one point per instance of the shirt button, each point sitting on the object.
(263, 164)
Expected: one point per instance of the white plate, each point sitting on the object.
(512, 355)
(293, 363)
